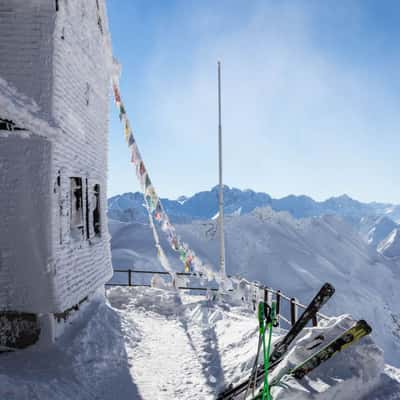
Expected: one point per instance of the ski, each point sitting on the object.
(325, 293)
(352, 335)
(341, 342)
(280, 349)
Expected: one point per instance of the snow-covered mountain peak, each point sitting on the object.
(204, 205)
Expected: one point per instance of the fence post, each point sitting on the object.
(254, 298)
(315, 320)
(266, 299)
(293, 310)
(278, 308)
(129, 277)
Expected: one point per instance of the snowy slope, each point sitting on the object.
(297, 256)
(374, 229)
(153, 344)
(390, 246)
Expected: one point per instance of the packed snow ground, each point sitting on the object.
(155, 344)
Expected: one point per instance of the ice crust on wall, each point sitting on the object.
(68, 113)
(26, 29)
(25, 187)
(82, 68)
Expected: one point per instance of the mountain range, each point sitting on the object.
(204, 206)
(378, 223)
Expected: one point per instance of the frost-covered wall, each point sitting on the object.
(26, 29)
(55, 65)
(25, 239)
(82, 57)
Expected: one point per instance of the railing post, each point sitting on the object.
(293, 310)
(254, 298)
(278, 308)
(267, 296)
(129, 277)
(315, 320)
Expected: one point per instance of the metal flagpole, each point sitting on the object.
(221, 187)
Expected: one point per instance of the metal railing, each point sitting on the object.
(269, 294)
(132, 272)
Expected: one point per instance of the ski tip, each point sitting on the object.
(329, 287)
(365, 326)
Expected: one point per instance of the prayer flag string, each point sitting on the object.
(153, 204)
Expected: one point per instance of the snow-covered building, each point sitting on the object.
(55, 66)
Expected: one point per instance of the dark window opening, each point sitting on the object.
(8, 125)
(60, 205)
(77, 228)
(87, 211)
(96, 211)
(57, 5)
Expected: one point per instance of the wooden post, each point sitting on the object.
(315, 320)
(293, 310)
(129, 277)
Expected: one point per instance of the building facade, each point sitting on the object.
(55, 69)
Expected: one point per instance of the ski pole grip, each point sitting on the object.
(267, 313)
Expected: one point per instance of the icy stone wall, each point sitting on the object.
(25, 204)
(58, 77)
(81, 69)
(26, 29)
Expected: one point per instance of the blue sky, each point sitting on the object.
(311, 95)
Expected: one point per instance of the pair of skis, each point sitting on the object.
(280, 349)
(350, 336)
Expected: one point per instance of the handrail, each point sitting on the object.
(293, 303)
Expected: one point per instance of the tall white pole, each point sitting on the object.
(221, 187)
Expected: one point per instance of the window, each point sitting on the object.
(7, 125)
(77, 228)
(96, 211)
(87, 213)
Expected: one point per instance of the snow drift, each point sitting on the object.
(152, 343)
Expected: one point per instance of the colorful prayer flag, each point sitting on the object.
(131, 140)
(122, 111)
(135, 154)
(187, 267)
(116, 94)
(147, 183)
(127, 130)
(142, 168)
